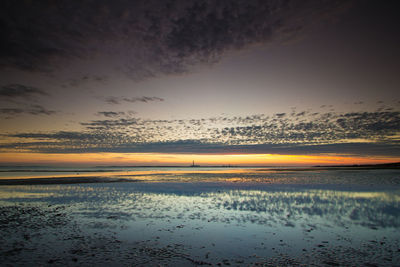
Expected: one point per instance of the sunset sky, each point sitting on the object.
(219, 82)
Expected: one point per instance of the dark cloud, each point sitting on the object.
(147, 37)
(301, 114)
(11, 111)
(19, 91)
(111, 114)
(113, 100)
(32, 110)
(144, 99)
(64, 135)
(111, 124)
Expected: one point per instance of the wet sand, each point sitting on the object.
(309, 175)
(270, 219)
(49, 236)
(62, 180)
(37, 235)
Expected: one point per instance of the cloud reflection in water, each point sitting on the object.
(273, 204)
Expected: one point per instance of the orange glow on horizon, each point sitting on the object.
(154, 159)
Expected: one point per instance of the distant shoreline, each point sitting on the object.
(394, 165)
(111, 178)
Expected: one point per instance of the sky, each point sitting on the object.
(219, 82)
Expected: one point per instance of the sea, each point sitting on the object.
(189, 216)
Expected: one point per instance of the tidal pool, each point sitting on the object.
(209, 222)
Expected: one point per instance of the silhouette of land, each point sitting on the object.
(394, 165)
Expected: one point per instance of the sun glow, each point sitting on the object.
(157, 159)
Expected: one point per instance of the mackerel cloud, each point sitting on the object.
(356, 133)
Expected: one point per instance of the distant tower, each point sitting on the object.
(194, 165)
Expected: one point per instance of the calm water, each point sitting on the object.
(236, 217)
(50, 171)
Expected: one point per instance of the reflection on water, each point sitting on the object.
(215, 202)
(231, 220)
(261, 207)
(230, 175)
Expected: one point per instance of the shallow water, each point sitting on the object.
(290, 218)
